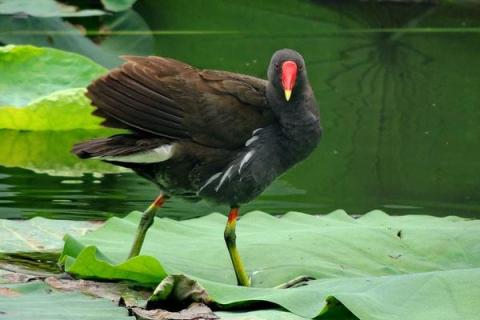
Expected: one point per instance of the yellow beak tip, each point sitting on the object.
(288, 94)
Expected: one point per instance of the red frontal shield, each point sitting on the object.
(289, 76)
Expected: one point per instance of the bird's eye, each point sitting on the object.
(276, 66)
(300, 67)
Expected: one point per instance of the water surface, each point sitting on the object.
(398, 92)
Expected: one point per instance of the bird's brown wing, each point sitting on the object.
(170, 99)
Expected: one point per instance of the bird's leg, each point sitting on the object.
(145, 223)
(230, 240)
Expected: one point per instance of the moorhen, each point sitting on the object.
(209, 134)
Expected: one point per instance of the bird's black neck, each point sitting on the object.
(297, 117)
(298, 122)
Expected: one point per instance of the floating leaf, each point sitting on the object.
(118, 5)
(39, 234)
(43, 89)
(49, 152)
(54, 33)
(38, 300)
(13, 285)
(368, 264)
(127, 33)
(30, 73)
(44, 8)
(118, 34)
(145, 270)
(62, 110)
(270, 314)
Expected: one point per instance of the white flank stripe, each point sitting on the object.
(245, 159)
(159, 154)
(251, 140)
(215, 176)
(254, 132)
(225, 176)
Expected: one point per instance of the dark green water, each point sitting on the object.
(398, 88)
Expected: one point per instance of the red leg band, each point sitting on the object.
(159, 201)
(233, 215)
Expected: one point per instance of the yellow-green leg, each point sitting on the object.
(230, 240)
(145, 223)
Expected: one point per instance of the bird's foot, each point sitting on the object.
(296, 282)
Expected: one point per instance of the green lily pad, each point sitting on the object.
(62, 110)
(39, 234)
(56, 33)
(19, 284)
(118, 5)
(45, 9)
(49, 152)
(30, 73)
(270, 314)
(144, 270)
(37, 299)
(378, 266)
(130, 34)
(43, 89)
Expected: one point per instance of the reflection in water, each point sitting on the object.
(398, 98)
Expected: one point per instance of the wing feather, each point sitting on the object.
(170, 99)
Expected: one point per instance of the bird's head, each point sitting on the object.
(287, 73)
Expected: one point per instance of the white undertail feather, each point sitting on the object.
(159, 154)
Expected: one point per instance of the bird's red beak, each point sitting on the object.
(289, 76)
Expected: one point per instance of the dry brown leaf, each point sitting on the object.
(195, 311)
(9, 292)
